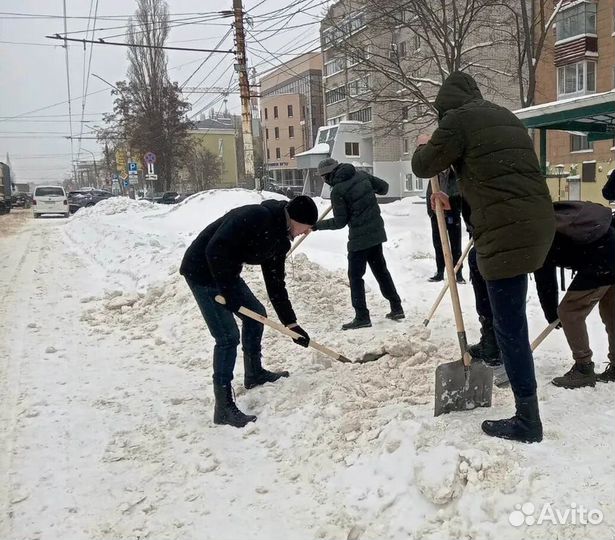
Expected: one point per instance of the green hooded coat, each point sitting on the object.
(353, 198)
(500, 178)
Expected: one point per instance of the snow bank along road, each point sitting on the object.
(106, 401)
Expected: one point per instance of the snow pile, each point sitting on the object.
(116, 205)
(339, 451)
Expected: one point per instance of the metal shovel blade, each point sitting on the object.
(460, 389)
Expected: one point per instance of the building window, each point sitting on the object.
(406, 146)
(268, 154)
(275, 111)
(291, 152)
(336, 120)
(405, 112)
(409, 182)
(403, 49)
(291, 132)
(352, 148)
(277, 153)
(362, 115)
(576, 21)
(333, 66)
(290, 111)
(588, 171)
(576, 79)
(276, 132)
(359, 86)
(266, 115)
(579, 143)
(336, 95)
(417, 42)
(267, 134)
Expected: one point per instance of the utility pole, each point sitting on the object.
(244, 93)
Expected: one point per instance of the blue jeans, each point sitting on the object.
(507, 298)
(223, 328)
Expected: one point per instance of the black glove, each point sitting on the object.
(552, 317)
(304, 340)
(233, 300)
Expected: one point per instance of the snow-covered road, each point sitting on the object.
(106, 401)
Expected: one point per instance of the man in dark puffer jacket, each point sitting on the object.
(353, 198)
(252, 234)
(512, 219)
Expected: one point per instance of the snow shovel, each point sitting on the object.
(460, 385)
(367, 357)
(298, 242)
(445, 287)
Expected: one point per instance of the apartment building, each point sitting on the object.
(578, 63)
(361, 42)
(291, 111)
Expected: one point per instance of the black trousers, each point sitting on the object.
(357, 264)
(479, 285)
(453, 226)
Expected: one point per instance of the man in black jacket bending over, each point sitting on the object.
(252, 234)
(353, 198)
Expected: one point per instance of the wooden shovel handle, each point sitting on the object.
(284, 330)
(450, 272)
(445, 287)
(298, 242)
(542, 336)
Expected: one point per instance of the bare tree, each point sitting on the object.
(204, 168)
(411, 46)
(149, 113)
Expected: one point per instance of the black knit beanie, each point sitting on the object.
(302, 209)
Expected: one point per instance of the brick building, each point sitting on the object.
(291, 110)
(579, 60)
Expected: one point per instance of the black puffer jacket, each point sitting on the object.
(448, 184)
(251, 234)
(500, 179)
(353, 197)
(608, 191)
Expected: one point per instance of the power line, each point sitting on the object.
(142, 46)
(70, 108)
(206, 59)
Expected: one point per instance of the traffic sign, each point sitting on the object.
(134, 179)
(151, 176)
(150, 157)
(132, 167)
(124, 176)
(126, 183)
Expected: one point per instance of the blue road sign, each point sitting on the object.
(126, 183)
(132, 167)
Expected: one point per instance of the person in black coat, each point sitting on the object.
(584, 242)
(448, 185)
(257, 234)
(354, 203)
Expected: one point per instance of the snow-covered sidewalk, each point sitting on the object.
(105, 382)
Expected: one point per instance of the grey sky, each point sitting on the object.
(34, 76)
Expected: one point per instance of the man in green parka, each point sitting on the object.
(512, 219)
(353, 198)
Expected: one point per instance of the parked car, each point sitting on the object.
(84, 198)
(49, 200)
(168, 197)
(21, 200)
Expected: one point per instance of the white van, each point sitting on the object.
(49, 200)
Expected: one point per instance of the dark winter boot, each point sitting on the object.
(579, 376)
(396, 313)
(460, 279)
(525, 426)
(608, 375)
(225, 411)
(255, 374)
(360, 321)
(487, 348)
(438, 276)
